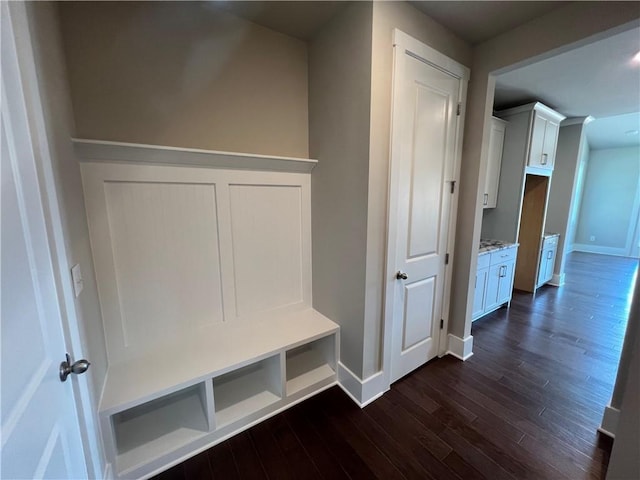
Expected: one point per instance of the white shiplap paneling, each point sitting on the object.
(166, 258)
(180, 249)
(266, 225)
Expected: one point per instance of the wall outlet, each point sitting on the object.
(592, 238)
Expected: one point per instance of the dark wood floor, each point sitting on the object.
(525, 406)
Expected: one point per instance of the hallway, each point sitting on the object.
(526, 405)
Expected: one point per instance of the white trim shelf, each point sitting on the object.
(106, 151)
(156, 407)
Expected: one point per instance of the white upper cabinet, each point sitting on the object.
(541, 135)
(544, 138)
(492, 179)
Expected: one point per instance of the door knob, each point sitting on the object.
(77, 368)
(401, 275)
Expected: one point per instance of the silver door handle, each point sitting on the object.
(401, 275)
(486, 199)
(544, 158)
(76, 368)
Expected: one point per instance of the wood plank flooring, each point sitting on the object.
(525, 406)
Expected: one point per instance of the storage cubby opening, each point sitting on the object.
(157, 427)
(247, 390)
(534, 205)
(310, 363)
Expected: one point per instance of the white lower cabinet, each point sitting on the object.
(494, 280)
(547, 259)
(499, 285)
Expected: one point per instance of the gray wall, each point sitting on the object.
(560, 30)
(185, 74)
(609, 202)
(350, 67)
(562, 196)
(340, 92)
(59, 125)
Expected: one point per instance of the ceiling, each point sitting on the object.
(477, 21)
(615, 132)
(600, 80)
(298, 19)
(303, 19)
(596, 80)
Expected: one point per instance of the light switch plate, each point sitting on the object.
(76, 276)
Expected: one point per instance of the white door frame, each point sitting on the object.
(401, 43)
(24, 67)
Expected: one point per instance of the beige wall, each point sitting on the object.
(184, 74)
(567, 27)
(59, 127)
(386, 17)
(339, 96)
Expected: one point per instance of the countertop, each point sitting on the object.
(488, 245)
(550, 235)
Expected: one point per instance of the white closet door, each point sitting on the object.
(425, 140)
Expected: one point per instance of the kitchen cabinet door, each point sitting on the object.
(544, 138)
(480, 291)
(547, 262)
(549, 145)
(493, 287)
(494, 162)
(499, 285)
(505, 282)
(536, 144)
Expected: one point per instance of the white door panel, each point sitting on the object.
(419, 300)
(40, 432)
(424, 154)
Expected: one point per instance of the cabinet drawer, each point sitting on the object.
(550, 241)
(484, 260)
(503, 255)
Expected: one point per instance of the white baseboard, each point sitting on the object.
(557, 280)
(581, 247)
(461, 348)
(609, 423)
(362, 392)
